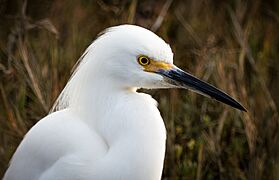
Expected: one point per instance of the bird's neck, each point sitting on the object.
(119, 109)
(131, 125)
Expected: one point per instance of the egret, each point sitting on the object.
(101, 128)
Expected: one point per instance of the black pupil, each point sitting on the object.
(144, 60)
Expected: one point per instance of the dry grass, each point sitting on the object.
(232, 44)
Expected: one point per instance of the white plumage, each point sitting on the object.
(102, 128)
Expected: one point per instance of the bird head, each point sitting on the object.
(134, 57)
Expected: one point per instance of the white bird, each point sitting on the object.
(103, 129)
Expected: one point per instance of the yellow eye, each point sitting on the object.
(143, 60)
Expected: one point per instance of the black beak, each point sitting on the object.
(181, 79)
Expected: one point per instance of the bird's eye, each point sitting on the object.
(143, 60)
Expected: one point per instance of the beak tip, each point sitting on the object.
(238, 106)
(242, 108)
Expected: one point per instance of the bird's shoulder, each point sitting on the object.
(62, 129)
(55, 136)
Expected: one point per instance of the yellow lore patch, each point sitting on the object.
(151, 65)
(155, 66)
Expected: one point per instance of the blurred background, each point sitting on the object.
(233, 44)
